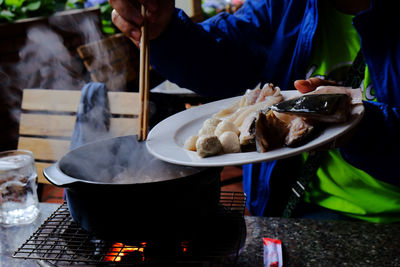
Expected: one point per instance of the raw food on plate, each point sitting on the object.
(262, 120)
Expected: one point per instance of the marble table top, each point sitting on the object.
(305, 242)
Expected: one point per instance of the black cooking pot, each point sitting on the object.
(116, 188)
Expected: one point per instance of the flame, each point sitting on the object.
(118, 250)
(185, 245)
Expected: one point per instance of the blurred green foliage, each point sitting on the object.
(12, 10)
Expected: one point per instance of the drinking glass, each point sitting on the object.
(18, 188)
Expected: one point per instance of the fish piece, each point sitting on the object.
(240, 111)
(270, 131)
(300, 129)
(226, 112)
(268, 90)
(319, 107)
(238, 117)
(247, 129)
(238, 120)
(251, 97)
(354, 94)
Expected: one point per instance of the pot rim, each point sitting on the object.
(55, 175)
(65, 180)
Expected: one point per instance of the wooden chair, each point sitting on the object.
(48, 118)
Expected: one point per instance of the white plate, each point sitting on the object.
(165, 141)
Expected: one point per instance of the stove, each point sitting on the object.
(213, 241)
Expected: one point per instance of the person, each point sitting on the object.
(294, 44)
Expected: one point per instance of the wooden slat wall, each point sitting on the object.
(121, 103)
(44, 148)
(47, 133)
(123, 126)
(50, 100)
(46, 124)
(63, 125)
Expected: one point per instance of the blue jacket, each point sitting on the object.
(270, 41)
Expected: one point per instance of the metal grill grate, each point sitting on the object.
(60, 240)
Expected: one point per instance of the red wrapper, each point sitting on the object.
(272, 252)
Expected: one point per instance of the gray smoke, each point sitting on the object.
(46, 63)
(45, 57)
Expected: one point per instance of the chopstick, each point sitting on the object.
(143, 81)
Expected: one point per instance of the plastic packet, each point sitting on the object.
(272, 252)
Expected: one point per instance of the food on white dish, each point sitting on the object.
(209, 126)
(226, 126)
(299, 128)
(270, 131)
(233, 119)
(354, 94)
(190, 143)
(317, 107)
(208, 145)
(251, 101)
(230, 142)
(262, 120)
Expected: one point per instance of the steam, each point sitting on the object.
(87, 27)
(121, 160)
(46, 60)
(46, 63)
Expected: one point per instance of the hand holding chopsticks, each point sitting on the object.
(125, 16)
(143, 81)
